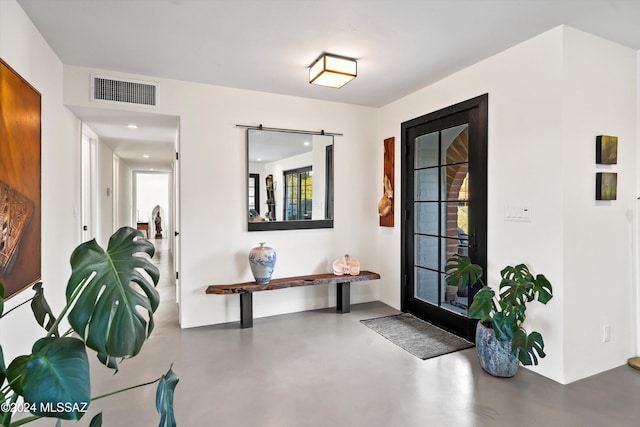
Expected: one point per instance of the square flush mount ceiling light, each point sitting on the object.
(333, 71)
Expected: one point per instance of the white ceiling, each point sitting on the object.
(149, 146)
(268, 45)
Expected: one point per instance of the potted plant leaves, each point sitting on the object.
(111, 299)
(501, 340)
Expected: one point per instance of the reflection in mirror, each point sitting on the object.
(290, 180)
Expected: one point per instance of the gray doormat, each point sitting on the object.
(420, 338)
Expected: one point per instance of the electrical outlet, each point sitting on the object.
(606, 333)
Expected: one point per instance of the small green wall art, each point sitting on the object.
(606, 185)
(606, 150)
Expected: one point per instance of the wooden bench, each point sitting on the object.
(343, 304)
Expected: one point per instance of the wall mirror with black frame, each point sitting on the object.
(290, 179)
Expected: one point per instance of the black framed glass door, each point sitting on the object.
(298, 194)
(444, 204)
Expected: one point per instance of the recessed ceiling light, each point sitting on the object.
(133, 126)
(259, 159)
(146, 156)
(307, 143)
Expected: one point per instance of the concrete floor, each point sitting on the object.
(319, 368)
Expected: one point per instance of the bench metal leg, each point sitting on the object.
(343, 295)
(246, 310)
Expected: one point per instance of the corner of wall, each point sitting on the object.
(599, 97)
(636, 246)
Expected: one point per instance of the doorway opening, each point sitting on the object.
(115, 147)
(89, 184)
(152, 204)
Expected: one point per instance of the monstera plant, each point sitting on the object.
(505, 312)
(110, 302)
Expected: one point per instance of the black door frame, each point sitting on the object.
(476, 110)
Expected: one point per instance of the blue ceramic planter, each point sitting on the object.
(495, 356)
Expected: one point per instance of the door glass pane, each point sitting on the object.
(463, 211)
(454, 300)
(252, 196)
(426, 251)
(427, 152)
(452, 246)
(291, 197)
(426, 185)
(426, 217)
(455, 222)
(306, 195)
(455, 145)
(426, 285)
(455, 185)
(455, 219)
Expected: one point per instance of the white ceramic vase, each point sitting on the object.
(262, 260)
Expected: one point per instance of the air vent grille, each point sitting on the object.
(131, 92)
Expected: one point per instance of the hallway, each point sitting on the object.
(318, 368)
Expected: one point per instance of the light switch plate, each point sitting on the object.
(517, 213)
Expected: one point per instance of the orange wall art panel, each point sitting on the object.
(385, 204)
(20, 185)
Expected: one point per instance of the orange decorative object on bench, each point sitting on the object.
(246, 289)
(346, 265)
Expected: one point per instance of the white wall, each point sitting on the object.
(105, 194)
(213, 228)
(599, 92)
(24, 49)
(125, 203)
(548, 99)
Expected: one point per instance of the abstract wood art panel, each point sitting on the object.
(20, 225)
(606, 150)
(385, 205)
(606, 186)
